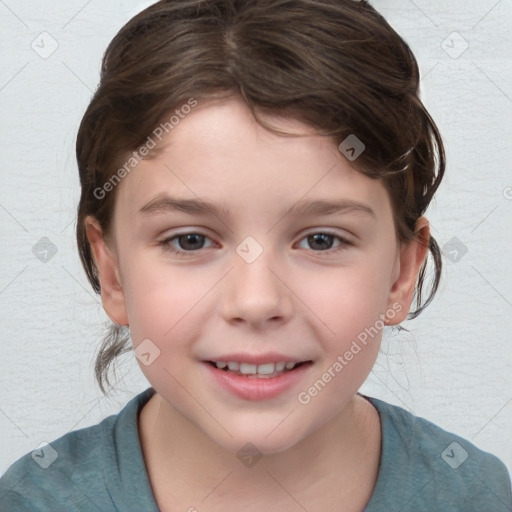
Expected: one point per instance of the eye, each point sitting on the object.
(323, 242)
(185, 243)
(188, 243)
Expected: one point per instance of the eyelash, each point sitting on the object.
(166, 243)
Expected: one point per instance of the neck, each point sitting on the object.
(339, 459)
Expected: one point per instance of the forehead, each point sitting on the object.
(220, 153)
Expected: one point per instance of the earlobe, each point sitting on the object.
(412, 256)
(112, 293)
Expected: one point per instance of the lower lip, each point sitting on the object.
(254, 388)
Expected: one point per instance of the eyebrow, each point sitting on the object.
(165, 203)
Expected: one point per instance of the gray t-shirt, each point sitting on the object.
(101, 469)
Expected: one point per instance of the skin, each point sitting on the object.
(299, 298)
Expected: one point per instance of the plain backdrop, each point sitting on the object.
(454, 365)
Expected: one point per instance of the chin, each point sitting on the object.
(259, 438)
(254, 445)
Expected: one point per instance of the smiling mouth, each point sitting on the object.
(261, 371)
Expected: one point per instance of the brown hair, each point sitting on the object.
(336, 65)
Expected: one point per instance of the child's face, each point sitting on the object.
(301, 299)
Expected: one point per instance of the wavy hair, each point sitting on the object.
(336, 65)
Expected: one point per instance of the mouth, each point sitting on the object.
(257, 378)
(258, 371)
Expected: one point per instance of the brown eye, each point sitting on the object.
(185, 243)
(191, 241)
(320, 241)
(324, 242)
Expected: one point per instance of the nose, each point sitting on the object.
(255, 292)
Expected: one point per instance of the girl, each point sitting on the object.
(254, 177)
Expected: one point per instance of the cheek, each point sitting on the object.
(349, 306)
(349, 303)
(346, 299)
(167, 307)
(161, 299)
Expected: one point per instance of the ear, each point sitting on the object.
(412, 255)
(112, 295)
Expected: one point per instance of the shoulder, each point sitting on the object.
(57, 473)
(424, 466)
(72, 473)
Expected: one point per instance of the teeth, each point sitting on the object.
(253, 369)
(266, 369)
(247, 368)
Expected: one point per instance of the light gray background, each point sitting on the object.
(454, 367)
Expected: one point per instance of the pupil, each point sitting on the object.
(314, 239)
(192, 239)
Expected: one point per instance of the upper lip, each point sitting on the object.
(268, 357)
